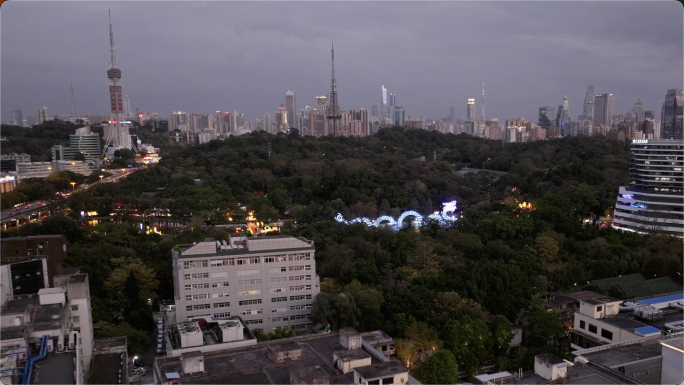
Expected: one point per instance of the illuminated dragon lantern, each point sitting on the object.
(447, 215)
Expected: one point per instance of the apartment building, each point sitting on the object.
(267, 281)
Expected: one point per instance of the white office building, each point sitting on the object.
(267, 281)
(653, 203)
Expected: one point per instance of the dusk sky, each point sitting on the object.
(208, 56)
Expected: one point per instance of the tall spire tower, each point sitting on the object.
(483, 105)
(334, 112)
(117, 136)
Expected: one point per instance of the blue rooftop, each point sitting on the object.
(646, 330)
(666, 298)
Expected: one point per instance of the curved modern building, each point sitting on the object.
(654, 200)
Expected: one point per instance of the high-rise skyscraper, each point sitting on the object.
(383, 111)
(179, 120)
(291, 105)
(588, 110)
(392, 105)
(545, 117)
(470, 112)
(652, 203)
(363, 117)
(603, 110)
(43, 115)
(267, 122)
(322, 104)
(452, 115)
(483, 106)
(563, 118)
(671, 120)
(17, 118)
(374, 111)
(399, 116)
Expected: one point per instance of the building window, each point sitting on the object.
(582, 325)
(278, 270)
(221, 315)
(250, 312)
(607, 334)
(222, 304)
(599, 308)
(74, 307)
(76, 318)
(278, 279)
(592, 328)
(250, 282)
(248, 260)
(248, 272)
(277, 290)
(279, 299)
(279, 309)
(250, 302)
(251, 292)
(254, 322)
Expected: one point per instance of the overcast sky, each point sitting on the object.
(208, 56)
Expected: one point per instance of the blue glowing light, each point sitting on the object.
(628, 196)
(638, 205)
(448, 214)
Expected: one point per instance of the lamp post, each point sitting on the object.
(101, 176)
(73, 186)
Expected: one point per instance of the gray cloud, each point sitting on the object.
(434, 55)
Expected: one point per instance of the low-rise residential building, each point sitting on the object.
(56, 326)
(268, 281)
(342, 357)
(605, 320)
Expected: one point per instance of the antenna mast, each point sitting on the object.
(334, 116)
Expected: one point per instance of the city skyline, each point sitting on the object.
(429, 80)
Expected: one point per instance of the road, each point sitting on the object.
(150, 354)
(38, 210)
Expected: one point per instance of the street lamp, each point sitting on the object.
(73, 186)
(101, 176)
(123, 170)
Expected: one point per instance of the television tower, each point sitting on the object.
(334, 115)
(118, 134)
(483, 105)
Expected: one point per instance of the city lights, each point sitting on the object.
(447, 215)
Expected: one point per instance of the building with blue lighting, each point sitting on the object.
(653, 202)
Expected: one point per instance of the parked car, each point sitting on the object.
(140, 371)
(138, 364)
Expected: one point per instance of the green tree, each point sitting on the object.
(137, 340)
(336, 310)
(117, 282)
(541, 324)
(439, 368)
(470, 342)
(502, 335)
(450, 305)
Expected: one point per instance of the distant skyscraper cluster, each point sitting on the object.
(326, 117)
